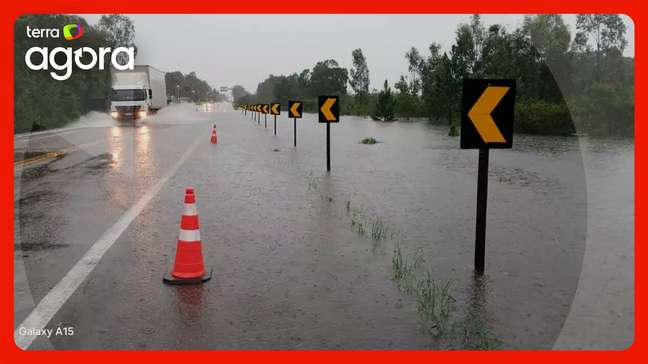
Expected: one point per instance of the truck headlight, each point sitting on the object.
(114, 114)
(142, 114)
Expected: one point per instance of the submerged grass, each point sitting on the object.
(368, 140)
(378, 229)
(404, 270)
(434, 304)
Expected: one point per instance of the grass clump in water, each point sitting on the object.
(368, 140)
(434, 304)
(404, 270)
(378, 229)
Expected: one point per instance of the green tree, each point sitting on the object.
(359, 82)
(551, 38)
(174, 81)
(119, 31)
(478, 34)
(238, 92)
(406, 101)
(602, 34)
(191, 86)
(385, 109)
(328, 78)
(416, 67)
(497, 54)
(359, 74)
(452, 69)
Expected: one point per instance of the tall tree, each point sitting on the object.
(359, 74)
(478, 35)
(606, 32)
(548, 34)
(119, 31)
(551, 38)
(416, 65)
(455, 67)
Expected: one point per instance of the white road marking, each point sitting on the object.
(57, 296)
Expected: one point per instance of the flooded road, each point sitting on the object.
(375, 254)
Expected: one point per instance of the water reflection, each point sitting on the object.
(475, 331)
(115, 145)
(143, 153)
(188, 319)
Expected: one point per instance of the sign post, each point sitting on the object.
(295, 112)
(329, 112)
(482, 198)
(264, 110)
(487, 111)
(275, 109)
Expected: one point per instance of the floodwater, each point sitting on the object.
(306, 259)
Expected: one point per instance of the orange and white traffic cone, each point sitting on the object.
(214, 137)
(189, 267)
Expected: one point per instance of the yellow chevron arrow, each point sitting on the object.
(274, 108)
(265, 108)
(293, 109)
(326, 109)
(480, 114)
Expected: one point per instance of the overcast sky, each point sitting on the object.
(226, 50)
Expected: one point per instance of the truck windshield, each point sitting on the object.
(128, 95)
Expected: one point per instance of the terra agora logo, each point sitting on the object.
(73, 31)
(61, 60)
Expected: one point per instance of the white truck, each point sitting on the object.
(137, 93)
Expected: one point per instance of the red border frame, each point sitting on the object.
(19, 7)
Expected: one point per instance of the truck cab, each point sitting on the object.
(129, 102)
(137, 93)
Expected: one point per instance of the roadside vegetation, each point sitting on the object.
(465, 327)
(368, 140)
(451, 323)
(568, 81)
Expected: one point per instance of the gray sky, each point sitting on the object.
(226, 50)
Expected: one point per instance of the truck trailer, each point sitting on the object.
(137, 93)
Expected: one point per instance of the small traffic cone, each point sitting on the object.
(189, 267)
(214, 137)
